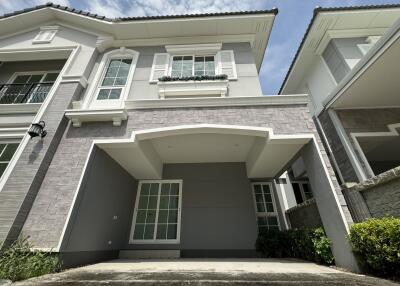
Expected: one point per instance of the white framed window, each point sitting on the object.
(196, 64)
(157, 213)
(113, 79)
(265, 206)
(192, 65)
(302, 191)
(46, 35)
(7, 151)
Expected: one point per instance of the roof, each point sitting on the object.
(142, 18)
(318, 10)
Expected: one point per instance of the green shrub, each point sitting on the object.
(18, 262)
(309, 244)
(376, 243)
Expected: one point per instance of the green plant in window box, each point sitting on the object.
(194, 78)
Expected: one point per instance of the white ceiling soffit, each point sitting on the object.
(351, 23)
(264, 153)
(253, 28)
(377, 86)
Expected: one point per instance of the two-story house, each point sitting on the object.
(158, 141)
(348, 64)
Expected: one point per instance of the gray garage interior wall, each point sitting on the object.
(7, 69)
(218, 216)
(102, 214)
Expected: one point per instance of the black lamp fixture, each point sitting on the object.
(37, 129)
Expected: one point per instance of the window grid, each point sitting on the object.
(163, 223)
(302, 191)
(185, 66)
(265, 207)
(7, 151)
(114, 79)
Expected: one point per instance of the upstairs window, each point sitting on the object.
(184, 66)
(302, 191)
(114, 79)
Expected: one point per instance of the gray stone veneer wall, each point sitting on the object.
(367, 120)
(342, 160)
(21, 188)
(49, 213)
(304, 215)
(376, 197)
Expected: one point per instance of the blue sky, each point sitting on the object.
(290, 23)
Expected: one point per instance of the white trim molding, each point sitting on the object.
(19, 108)
(192, 88)
(198, 49)
(92, 115)
(82, 80)
(13, 132)
(392, 132)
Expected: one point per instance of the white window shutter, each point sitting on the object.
(160, 66)
(226, 63)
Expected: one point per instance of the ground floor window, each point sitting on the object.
(157, 212)
(267, 216)
(7, 150)
(302, 191)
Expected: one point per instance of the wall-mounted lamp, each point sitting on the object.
(37, 129)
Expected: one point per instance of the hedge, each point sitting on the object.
(307, 243)
(18, 262)
(376, 244)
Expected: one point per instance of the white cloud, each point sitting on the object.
(121, 8)
(7, 6)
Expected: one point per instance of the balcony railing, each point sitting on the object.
(24, 92)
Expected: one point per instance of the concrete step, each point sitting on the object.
(149, 254)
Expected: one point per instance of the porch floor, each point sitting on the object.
(205, 272)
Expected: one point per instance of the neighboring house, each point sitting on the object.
(159, 142)
(348, 64)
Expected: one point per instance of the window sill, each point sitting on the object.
(192, 88)
(19, 108)
(78, 116)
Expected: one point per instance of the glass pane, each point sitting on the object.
(272, 220)
(173, 216)
(114, 63)
(123, 71)
(259, 198)
(145, 189)
(120, 81)
(35, 78)
(115, 93)
(210, 72)
(163, 216)
(260, 208)
(154, 189)
(173, 202)
(143, 201)
(152, 203)
(3, 166)
(297, 193)
(149, 231)
(262, 228)
(270, 207)
(2, 147)
(174, 189)
(165, 189)
(8, 152)
(172, 230)
(21, 79)
(200, 72)
(126, 62)
(268, 198)
(257, 189)
(262, 220)
(161, 231)
(139, 230)
(108, 81)
(175, 73)
(112, 72)
(103, 94)
(266, 189)
(151, 216)
(141, 216)
(164, 201)
(50, 77)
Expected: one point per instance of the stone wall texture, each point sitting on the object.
(49, 213)
(337, 148)
(304, 215)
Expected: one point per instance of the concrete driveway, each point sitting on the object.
(205, 272)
